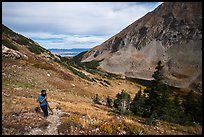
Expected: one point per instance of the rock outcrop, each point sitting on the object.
(12, 54)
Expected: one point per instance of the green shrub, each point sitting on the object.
(137, 106)
(103, 84)
(107, 82)
(7, 31)
(109, 101)
(9, 44)
(43, 66)
(116, 128)
(106, 128)
(132, 129)
(122, 102)
(22, 40)
(80, 74)
(35, 49)
(150, 120)
(91, 65)
(92, 71)
(96, 99)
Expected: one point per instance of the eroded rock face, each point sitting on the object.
(171, 33)
(13, 54)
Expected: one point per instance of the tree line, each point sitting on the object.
(158, 102)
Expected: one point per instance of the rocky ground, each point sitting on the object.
(51, 129)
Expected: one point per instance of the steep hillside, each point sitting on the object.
(171, 33)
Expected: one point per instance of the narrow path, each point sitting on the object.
(52, 128)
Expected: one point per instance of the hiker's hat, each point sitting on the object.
(43, 91)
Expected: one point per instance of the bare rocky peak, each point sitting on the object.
(171, 33)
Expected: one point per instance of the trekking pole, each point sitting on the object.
(49, 107)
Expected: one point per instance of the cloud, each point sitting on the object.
(61, 41)
(87, 21)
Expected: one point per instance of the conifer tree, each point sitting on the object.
(96, 99)
(109, 101)
(158, 95)
(152, 101)
(193, 107)
(122, 102)
(137, 106)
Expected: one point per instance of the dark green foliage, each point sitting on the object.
(76, 60)
(158, 77)
(109, 101)
(137, 106)
(35, 49)
(188, 103)
(92, 71)
(103, 84)
(166, 106)
(7, 31)
(161, 101)
(122, 102)
(96, 99)
(158, 93)
(9, 44)
(98, 79)
(150, 120)
(106, 82)
(20, 39)
(79, 73)
(78, 57)
(143, 82)
(65, 62)
(91, 65)
(60, 62)
(193, 107)
(63, 59)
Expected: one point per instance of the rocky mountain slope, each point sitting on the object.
(171, 33)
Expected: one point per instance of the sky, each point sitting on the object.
(66, 25)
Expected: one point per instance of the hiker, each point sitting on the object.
(43, 102)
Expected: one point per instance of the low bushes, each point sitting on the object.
(9, 44)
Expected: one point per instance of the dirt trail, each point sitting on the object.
(52, 128)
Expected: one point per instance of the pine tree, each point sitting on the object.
(193, 107)
(158, 95)
(109, 101)
(137, 106)
(96, 99)
(153, 99)
(158, 77)
(122, 102)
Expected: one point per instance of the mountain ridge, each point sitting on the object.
(171, 27)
